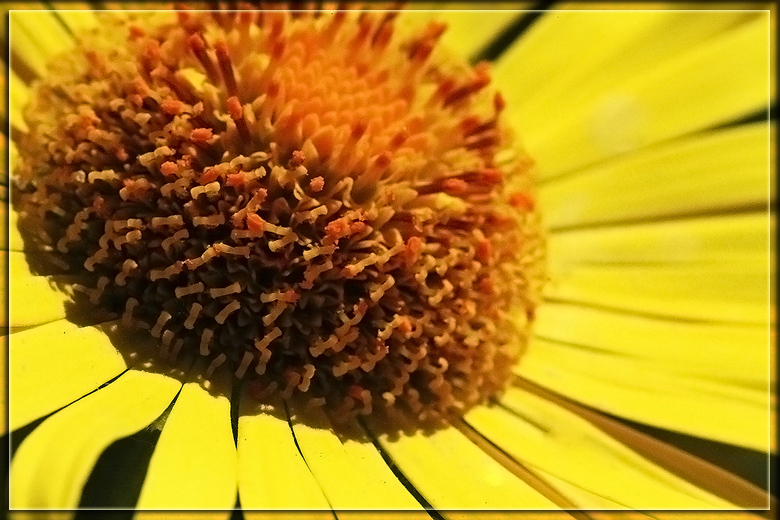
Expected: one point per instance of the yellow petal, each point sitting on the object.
(726, 293)
(47, 374)
(3, 139)
(706, 240)
(697, 349)
(692, 469)
(5, 227)
(717, 408)
(136, 6)
(734, 6)
(5, 7)
(442, 466)
(32, 299)
(15, 242)
(649, 76)
(352, 473)
(178, 515)
(271, 472)
(18, 97)
(289, 515)
(194, 463)
(53, 463)
(710, 268)
(628, 43)
(561, 445)
(3, 358)
(711, 171)
(36, 37)
(692, 515)
(76, 16)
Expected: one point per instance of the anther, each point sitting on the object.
(245, 361)
(226, 311)
(195, 309)
(161, 321)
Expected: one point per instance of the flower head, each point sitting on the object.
(200, 174)
(317, 203)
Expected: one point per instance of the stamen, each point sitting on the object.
(195, 309)
(245, 361)
(189, 289)
(205, 340)
(231, 289)
(224, 313)
(263, 343)
(161, 321)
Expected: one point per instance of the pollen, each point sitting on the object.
(320, 202)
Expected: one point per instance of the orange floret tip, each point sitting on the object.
(297, 159)
(209, 175)
(236, 180)
(201, 135)
(521, 200)
(317, 184)
(169, 168)
(234, 108)
(172, 106)
(455, 186)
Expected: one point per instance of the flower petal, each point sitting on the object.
(15, 241)
(627, 44)
(5, 7)
(36, 37)
(194, 463)
(695, 349)
(562, 446)
(178, 515)
(3, 145)
(442, 464)
(32, 299)
(265, 442)
(54, 461)
(689, 467)
(724, 293)
(351, 472)
(45, 375)
(18, 97)
(693, 515)
(636, 388)
(713, 171)
(649, 76)
(708, 240)
(713, 269)
(290, 515)
(76, 16)
(3, 381)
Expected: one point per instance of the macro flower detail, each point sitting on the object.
(319, 204)
(337, 262)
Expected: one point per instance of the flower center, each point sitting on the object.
(316, 203)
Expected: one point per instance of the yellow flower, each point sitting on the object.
(651, 138)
